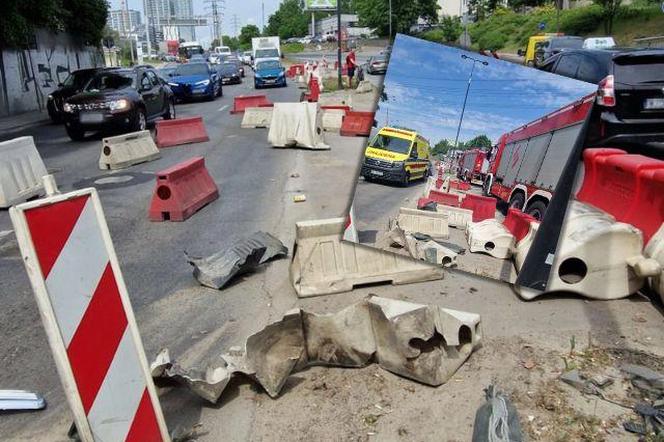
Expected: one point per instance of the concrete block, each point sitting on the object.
(332, 119)
(324, 264)
(256, 117)
(429, 223)
(420, 342)
(456, 216)
(126, 150)
(491, 237)
(21, 171)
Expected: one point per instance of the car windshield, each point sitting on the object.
(268, 65)
(392, 144)
(110, 80)
(191, 69)
(228, 68)
(77, 79)
(267, 53)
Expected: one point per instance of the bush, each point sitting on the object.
(492, 41)
(581, 21)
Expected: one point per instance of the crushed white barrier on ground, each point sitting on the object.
(429, 223)
(491, 237)
(21, 171)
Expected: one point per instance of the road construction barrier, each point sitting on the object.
(21, 171)
(518, 223)
(357, 124)
(655, 250)
(88, 319)
(460, 185)
(483, 207)
(426, 222)
(241, 102)
(180, 131)
(314, 91)
(523, 246)
(342, 107)
(491, 237)
(256, 117)
(182, 190)
(297, 125)
(629, 187)
(456, 216)
(333, 119)
(126, 150)
(597, 256)
(350, 230)
(324, 264)
(448, 199)
(295, 69)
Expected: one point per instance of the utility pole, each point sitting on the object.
(235, 24)
(470, 79)
(390, 36)
(339, 79)
(147, 27)
(263, 17)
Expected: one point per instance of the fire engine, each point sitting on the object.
(473, 165)
(526, 163)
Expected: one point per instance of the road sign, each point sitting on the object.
(320, 5)
(541, 25)
(89, 322)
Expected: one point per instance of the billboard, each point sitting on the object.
(320, 4)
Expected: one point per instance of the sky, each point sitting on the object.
(426, 82)
(247, 11)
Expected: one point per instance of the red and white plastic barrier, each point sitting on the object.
(89, 322)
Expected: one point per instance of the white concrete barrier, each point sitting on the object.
(332, 119)
(427, 222)
(491, 237)
(256, 117)
(296, 125)
(126, 150)
(21, 171)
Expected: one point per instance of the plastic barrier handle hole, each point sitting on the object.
(572, 270)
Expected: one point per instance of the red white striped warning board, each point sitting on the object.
(83, 301)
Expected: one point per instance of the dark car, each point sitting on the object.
(120, 99)
(72, 85)
(377, 64)
(630, 95)
(166, 71)
(195, 80)
(553, 45)
(229, 73)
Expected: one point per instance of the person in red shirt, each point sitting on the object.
(351, 64)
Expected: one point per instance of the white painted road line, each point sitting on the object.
(222, 108)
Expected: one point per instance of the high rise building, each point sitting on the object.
(124, 21)
(166, 18)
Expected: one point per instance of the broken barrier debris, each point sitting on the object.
(523, 246)
(365, 87)
(448, 199)
(126, 150)
(425, 343)
(296, 125)
(490, 237)
(324, 264)
(242, 102)
(88, 317)
(181, 190)
(21, 171)
(357, 124)
(180, 131)
(314, 91)
(12, 400)
(242, 256)
(426, 222)
(256, 117)
(456, 216)
(518, 223)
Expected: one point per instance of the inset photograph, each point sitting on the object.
(464, 157)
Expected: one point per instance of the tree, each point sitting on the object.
(232, 42)
(288, 21)
(442, 147)
(247, 33)
(373, 14)
(609, 10)
(479, 141)
(451, 29)
(85, 20)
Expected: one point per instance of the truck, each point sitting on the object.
(265, 48)
(189, 48)
(172, 47)
(473, 165)
(526, 163)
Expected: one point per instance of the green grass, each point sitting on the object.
(292, 48)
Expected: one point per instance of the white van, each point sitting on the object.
(222, 50)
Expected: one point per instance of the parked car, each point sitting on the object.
(166, 71)
(305, 40)
(246, 57)
(377, 64)
(229, 73)
(115, 98)
(194, 80)
(269, 73)
(73, 84)
(552, 45)
(630, 96)
(215, 58)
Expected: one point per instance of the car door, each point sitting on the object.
(159, 94)
(568, 65)
(147, 91)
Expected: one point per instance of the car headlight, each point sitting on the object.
(116, 105)
(173, 84)
(67, 108)
(50, 97)
(203, 83)
(257, 75)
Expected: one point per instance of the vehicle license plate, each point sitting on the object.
(653, 103)
(377, 172)
(91, 117)
(270, 81)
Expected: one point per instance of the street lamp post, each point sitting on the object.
(470, 79)
(390, 37)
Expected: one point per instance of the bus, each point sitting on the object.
(189, 48)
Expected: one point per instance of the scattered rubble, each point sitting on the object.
(244, 255)
(425, 343)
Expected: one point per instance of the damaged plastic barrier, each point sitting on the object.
(324, 264)
(333, 119)
(426, 222)
(127, 150)
(500, 239)
(243, 256)
(21, 171)
(426, 343)
(296, 125)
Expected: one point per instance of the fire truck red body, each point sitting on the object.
(172, 47)
(527, 162)
(473, 165)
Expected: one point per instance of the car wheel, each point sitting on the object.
(170, 110)
(140, 121)
(537, 210)
(517, 201)
(486, 186)
(75, 133)
(405, 180)
(219, 92)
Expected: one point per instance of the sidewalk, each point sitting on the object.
(16, 123)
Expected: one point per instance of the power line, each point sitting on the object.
(235, 23)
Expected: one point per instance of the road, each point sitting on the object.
(257, 184)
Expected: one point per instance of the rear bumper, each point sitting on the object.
(612, 129)
(186, 92)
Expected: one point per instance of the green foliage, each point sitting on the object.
(247, 33)
(581, 20)
(292, 48)
(288, 21)
(448, 31)
(373, 14)
(232, 42)
(83, 19)
(445, 145)
(492, 40)
(479, 141)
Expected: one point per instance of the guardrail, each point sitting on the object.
(651, 42)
